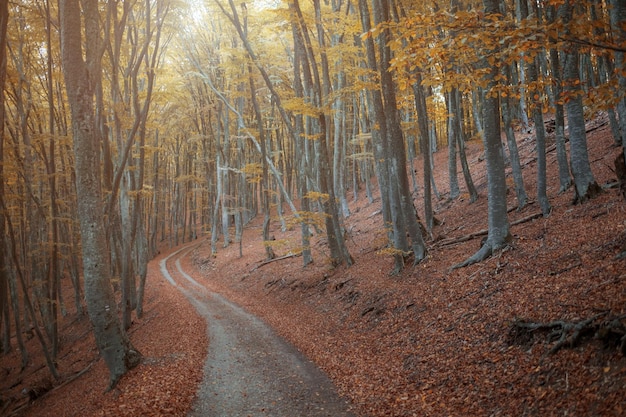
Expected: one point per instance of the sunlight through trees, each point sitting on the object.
(202, 114)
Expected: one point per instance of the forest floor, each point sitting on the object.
(430, 341)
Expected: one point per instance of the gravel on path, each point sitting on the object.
(250, 370)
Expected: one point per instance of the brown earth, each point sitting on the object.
(428, 342)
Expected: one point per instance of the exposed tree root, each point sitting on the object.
(485, 251)
(593, 190)
(566, 334)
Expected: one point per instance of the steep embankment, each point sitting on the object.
(438, 342)
(427, 342)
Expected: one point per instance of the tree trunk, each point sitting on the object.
(407, 218)
(111, 339)
(300, 147)
(585, 185)
(338, 251)
(5, 320)
(422, 115)
(376, 117)
(537, 113)
(498, 231)
(452, 144)
(516, 168)
(565, 180)
(264, 184)
(618, 17)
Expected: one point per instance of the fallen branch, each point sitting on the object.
(33, 395)
(280, 258)
(483, 232)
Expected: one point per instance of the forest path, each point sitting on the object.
(249, 370)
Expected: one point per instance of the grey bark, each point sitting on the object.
(375, 110)
(584, 182)
(111, 339)
(452, 146)
(422, 115)
(264, 188)
(406, 216)
(565, 180)
(498, 230)
(300, 145)
(5, 319)
(516, 168)
(321, 90)
(618, 17)
(339, 251)
(527, 12)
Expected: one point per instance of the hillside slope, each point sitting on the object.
(437, 342)
(428, 342)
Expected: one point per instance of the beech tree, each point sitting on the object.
(585, 185)
(254, 107)
(617, 12)
(528, 12)
(5, 318)
(498, 231)
(80, 77)
(397, 201)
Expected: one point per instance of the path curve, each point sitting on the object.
(251, 371)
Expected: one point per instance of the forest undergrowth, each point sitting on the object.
(430, 341)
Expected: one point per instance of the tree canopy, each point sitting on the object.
(209, 113)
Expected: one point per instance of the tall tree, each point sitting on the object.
(498, 231)
(584, 182)
(403, 213)
(559, 113)
(5, 320)
(617, 12)
(80, 77)
(321, 93)
(536, 108)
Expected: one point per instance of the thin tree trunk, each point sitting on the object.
(54, 275)
(407, 213)
(516, 168)
(28, 306)
(264, 189)
(584, 182)
(300, 146)
(452, 144)
(537, 114)
(5, 320)
(422, 114)
(618, 17)
(338, 251)
(565, 180)
(377, 119)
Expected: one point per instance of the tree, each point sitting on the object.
(506, 106)
(80, 77)
(402, 213)
(536, 110)
(5, 318)
(585, 185)
(422, 114)
(339, 253)
(498, 230)
(559, 114)
(618, 16)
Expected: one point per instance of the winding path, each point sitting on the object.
(250, 371)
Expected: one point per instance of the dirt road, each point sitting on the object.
(250, 371)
